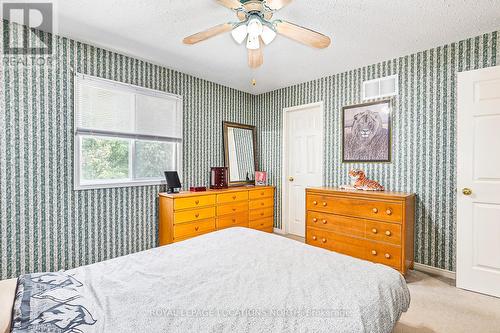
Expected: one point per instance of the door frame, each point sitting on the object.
(284, 157)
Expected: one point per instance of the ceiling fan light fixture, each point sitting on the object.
(239, 33)
(254, 27)
(267, 35)
(253, 42)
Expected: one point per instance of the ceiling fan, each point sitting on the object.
(256, 27)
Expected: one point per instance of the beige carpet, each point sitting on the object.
(437, 306)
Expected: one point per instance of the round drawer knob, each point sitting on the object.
(315, 203)
(324, 221)
(314, 237)
(374, 252)
(324, 240)
(388, 233)
(388, 212)
(375, 210)
(315, 220)
(374, 230)
(324, 204)
(387, 256)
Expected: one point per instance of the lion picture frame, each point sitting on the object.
(366, 132)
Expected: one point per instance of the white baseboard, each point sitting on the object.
(279, 231)
(435, 271)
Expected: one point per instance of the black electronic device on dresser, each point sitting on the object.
(173, 182)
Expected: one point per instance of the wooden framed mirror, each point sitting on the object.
(240, 156)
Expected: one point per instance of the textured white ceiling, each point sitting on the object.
(363, 32)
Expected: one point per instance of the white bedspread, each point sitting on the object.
(238, 280)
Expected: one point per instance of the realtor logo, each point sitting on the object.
(35, 20)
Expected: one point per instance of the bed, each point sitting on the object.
(233, 280)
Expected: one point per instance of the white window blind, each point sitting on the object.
(124, 134)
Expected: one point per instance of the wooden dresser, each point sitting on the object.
(375, 226)
(189, 214)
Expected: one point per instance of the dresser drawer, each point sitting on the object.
(384, 254)
(232, 197)
(194, 215)
(192, 229)
(378, 210)
(237, 207)
(383, 232)
(194, 202)
(235, 220)
(336, 223)
(339, 243)
(260, 213)
(266, 223)
(261, 193)
(261, 203)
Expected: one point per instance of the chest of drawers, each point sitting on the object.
(374, 226)
(189, 214)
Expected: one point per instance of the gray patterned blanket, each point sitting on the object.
(234, 280)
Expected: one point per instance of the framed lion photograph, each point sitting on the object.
(366, 132)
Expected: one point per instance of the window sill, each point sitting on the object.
(96, 186)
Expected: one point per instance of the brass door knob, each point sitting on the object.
(324, 240)
(388, 233)
(315, 220)
(374, 230)
(324, 221)
(388, 212)
(291, 179)
(467, 191)
(374, 252)
(324, 204)
(315, 203)
(375, 210)
(314, 237)
(387, 256)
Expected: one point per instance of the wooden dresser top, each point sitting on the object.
(360, 193)
(185, 194)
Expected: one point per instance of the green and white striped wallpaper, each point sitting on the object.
(424, 133)
(45, 224)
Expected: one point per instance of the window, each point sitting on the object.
(382, 87)
(124, 135)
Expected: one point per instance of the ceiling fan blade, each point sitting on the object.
(303, 35)
(231, 4)
(203, 35)
(277, 4)
(255, 57)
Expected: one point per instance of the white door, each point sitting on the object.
(302, 161)
(478, 225)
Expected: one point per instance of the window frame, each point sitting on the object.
(78, 134)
